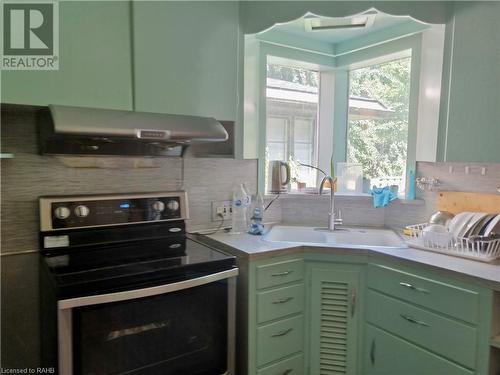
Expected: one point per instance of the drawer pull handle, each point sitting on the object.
(414, 321)
(284, 273)
(284, 300)
(372, 353)
(287, 371)
(412, 287)
(282, 333)
(353, 302)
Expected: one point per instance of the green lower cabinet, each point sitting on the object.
(425, 323)
(334, 320)
(321, 314)
(386, 354)
(279, 339)
(276, 318)
(291, 366)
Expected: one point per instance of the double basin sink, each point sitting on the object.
(344, 237)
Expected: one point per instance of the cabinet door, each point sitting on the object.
(95, 66)
(334, 321)
(186, 57)
(386, 354)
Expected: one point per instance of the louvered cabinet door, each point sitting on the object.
(334, 322)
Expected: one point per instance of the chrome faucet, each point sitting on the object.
(332, 221)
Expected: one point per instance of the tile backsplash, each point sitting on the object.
(29, 175)
(313, 210)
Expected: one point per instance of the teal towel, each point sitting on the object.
(382, 196)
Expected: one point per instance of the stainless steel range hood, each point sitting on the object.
(92, 131)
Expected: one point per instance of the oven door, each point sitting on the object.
(185, 327)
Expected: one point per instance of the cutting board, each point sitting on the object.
(458, 201)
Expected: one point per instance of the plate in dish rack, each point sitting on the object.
(491, 226)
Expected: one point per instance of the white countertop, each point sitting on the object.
(254, 247)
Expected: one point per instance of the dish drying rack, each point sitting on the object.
(481, 249)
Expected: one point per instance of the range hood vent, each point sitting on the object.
(91, 131)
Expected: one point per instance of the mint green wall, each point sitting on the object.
(186, 57)
(94, 64)
(470, 115)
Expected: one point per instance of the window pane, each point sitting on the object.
(377, 135)
(304, 130)
(292, 111)
(303, 152)
(276, 150)
(276, 129)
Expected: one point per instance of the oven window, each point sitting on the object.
(183, 332)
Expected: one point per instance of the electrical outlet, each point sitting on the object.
(224, 208)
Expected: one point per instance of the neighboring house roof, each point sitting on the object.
(359, 107)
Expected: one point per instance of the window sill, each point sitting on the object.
(363, 196)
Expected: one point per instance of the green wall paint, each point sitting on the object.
(186, 57)
(470, 115)
(94, 65)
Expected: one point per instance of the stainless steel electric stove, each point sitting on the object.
(125, 290)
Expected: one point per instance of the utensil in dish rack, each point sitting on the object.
(441, 217)
(437, 234)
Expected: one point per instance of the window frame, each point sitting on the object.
(291, 120)
(380, 61)
(336, 68)
(290, 57)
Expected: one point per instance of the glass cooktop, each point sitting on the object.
(131, 265)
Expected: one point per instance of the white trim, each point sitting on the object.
(325, 121)
(431, 67)
(448, 101)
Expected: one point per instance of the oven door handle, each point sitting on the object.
(144, 292)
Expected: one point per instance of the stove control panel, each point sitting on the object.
(104, 210)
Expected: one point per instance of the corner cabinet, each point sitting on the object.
(346, 314)
(334, 319)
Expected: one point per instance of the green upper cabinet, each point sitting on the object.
(95, 66)
(470, 119)
(186, 57)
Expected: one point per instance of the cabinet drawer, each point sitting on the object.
(280, 302)
(386, 354)
(444, 336)
(446, 298)
(277, 340)
(291, 366)
(279, 273)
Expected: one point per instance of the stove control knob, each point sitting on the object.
(82, 211)
(173, 205)
(62, 212)
(158, 206)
